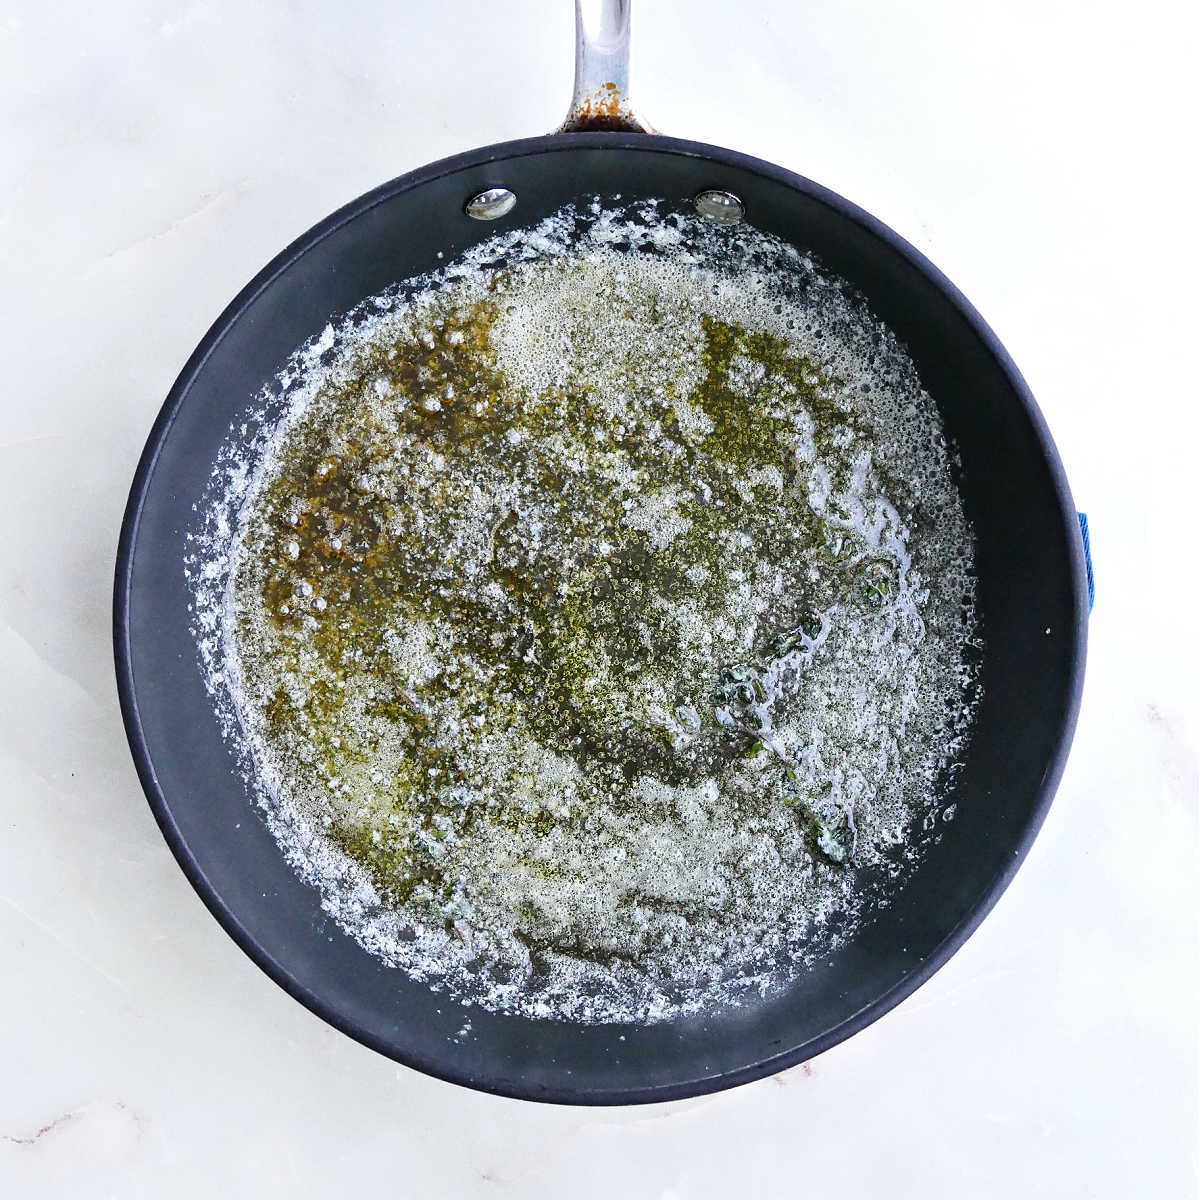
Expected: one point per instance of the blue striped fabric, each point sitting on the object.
(1087, 557)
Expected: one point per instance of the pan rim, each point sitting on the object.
(127, 691)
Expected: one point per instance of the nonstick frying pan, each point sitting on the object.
(1032, 604)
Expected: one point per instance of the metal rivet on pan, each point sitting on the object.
(491, 205)
(720, 206)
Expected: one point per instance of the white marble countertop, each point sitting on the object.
(155, 155)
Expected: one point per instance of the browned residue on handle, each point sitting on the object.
(604, 111)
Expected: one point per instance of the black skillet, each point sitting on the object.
(1032, 600)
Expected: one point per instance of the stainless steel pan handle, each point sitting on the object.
(601, 99)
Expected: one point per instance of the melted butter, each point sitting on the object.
(351, 556)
